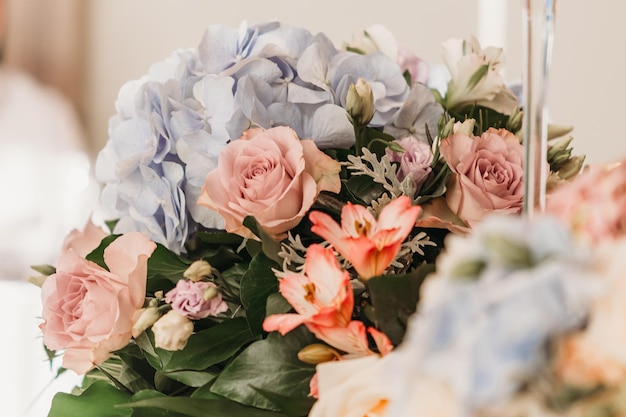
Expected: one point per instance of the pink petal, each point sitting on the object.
(399, 214)
(328, 229)
(127, 258)
(356, 220)
(383, 343)
(284, 323)
(351, 339)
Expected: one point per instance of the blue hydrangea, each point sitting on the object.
(171, 125)
(486, 332)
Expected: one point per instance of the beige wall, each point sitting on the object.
(126, 36)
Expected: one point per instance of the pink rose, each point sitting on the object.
(415, 160)
(188, 298)
(85, 241)
(271, 175)
(487, 174)
(87, 310)
(594, 203)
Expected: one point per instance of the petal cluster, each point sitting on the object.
(369, 244)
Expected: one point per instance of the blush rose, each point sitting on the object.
(487, 174)
(87, 310)
(593, 203)
(84, 241)
(271, 175)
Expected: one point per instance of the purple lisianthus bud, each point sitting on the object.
(416, 159)
(188, 299)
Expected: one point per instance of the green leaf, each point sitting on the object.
(221, 258)
(198, 407)
(256, 285)
(377, 141)
(477, 76)
(394, 298)
(166, 263)
(271, 247)
(191, 378)
(46, 270)
(97, 255)
(135, 373)
(98, 400)
(204, 348)
(159, 283)
(270, 365)
(204, 392)
(233, 276)
(364, 189)
(152, 411)
(110, 224)
(291, 407)
(169, 386)
(220, 238)
(277, 304)
(407, 76)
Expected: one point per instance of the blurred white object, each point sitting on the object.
(27, 378)
(45, 183)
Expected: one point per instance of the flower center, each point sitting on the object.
(309, 289)
(362, 228)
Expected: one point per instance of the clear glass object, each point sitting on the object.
(538, 33)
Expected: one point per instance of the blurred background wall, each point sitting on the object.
(123, 37)
(89, 48)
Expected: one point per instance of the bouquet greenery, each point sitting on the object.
(276, 204)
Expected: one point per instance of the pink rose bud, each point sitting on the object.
(188, 298)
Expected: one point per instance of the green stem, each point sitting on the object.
(360, 138)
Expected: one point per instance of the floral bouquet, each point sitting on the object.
(299, 229)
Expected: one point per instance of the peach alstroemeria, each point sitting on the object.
(322, 295)
(351, 339)
(369, 244)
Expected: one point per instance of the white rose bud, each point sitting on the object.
(172, 331)
(360, 102)
(147, 318)
(198, 270)
(210, 293)
(466, 128)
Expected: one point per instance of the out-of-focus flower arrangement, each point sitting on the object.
(298, 229)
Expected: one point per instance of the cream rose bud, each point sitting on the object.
(198, 270)
(172, 331)
(360, 102)
(486, 175)
(271, 175)
(146, 317)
